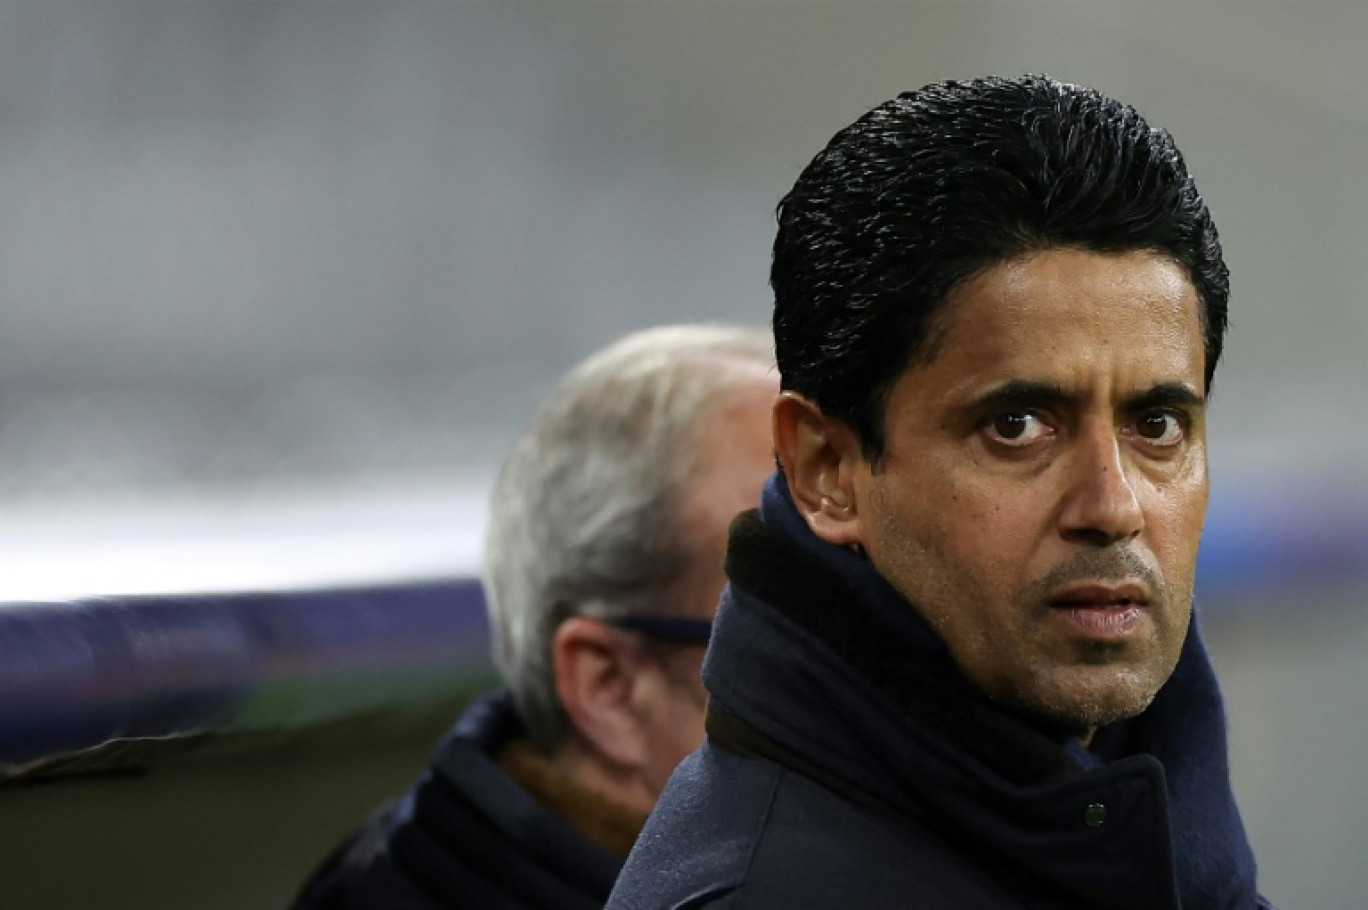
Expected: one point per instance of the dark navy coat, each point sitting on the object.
(465, 837)
(849, 765)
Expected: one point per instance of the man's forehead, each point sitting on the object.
(1063, 317)
(1071, 282)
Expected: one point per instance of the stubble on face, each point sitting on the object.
(1077, 687)
(1140, 670)
(981, 534)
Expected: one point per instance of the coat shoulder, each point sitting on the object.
(697, 846)
(740, 833)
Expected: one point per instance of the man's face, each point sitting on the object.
(736, 455)
(1042, 491)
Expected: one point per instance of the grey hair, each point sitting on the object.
(585, 514)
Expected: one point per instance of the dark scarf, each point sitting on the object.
(840, 605)
(473, 837)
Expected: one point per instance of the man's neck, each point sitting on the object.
(575, 788)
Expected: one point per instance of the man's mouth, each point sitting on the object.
(1101, 596)
(1102, 610)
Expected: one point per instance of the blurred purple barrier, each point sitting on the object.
(78, 674)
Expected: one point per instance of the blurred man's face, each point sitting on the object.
(1042, 492)
(737, 456)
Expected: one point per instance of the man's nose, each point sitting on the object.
(1102, 506)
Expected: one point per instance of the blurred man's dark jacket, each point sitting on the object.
(468, 836)
(849, 764)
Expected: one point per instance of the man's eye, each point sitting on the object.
(1017, 428)
(1160, 427)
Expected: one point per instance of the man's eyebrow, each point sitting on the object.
(1027, 393)
(1165, 395)
(1024, 393)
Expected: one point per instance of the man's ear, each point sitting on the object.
(596, 680)
(822, 459)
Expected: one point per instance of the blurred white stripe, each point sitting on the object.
(281, 542)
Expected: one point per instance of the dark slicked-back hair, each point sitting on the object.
(932, 187)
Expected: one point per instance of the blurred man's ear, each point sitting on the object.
(821, 458)
(596, 678)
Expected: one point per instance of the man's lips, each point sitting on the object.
(1102, 610)
(1101, 596)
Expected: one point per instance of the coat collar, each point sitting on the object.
(820, 654)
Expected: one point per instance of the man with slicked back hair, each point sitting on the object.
(956, 665)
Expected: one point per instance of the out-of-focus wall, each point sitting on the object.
(1293, 688)
(252, 247)
(258, 242)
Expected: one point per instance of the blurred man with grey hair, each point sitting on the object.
(603, 568)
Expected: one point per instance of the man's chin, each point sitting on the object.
(1084, 701)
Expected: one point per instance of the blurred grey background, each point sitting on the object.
(252, 250)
